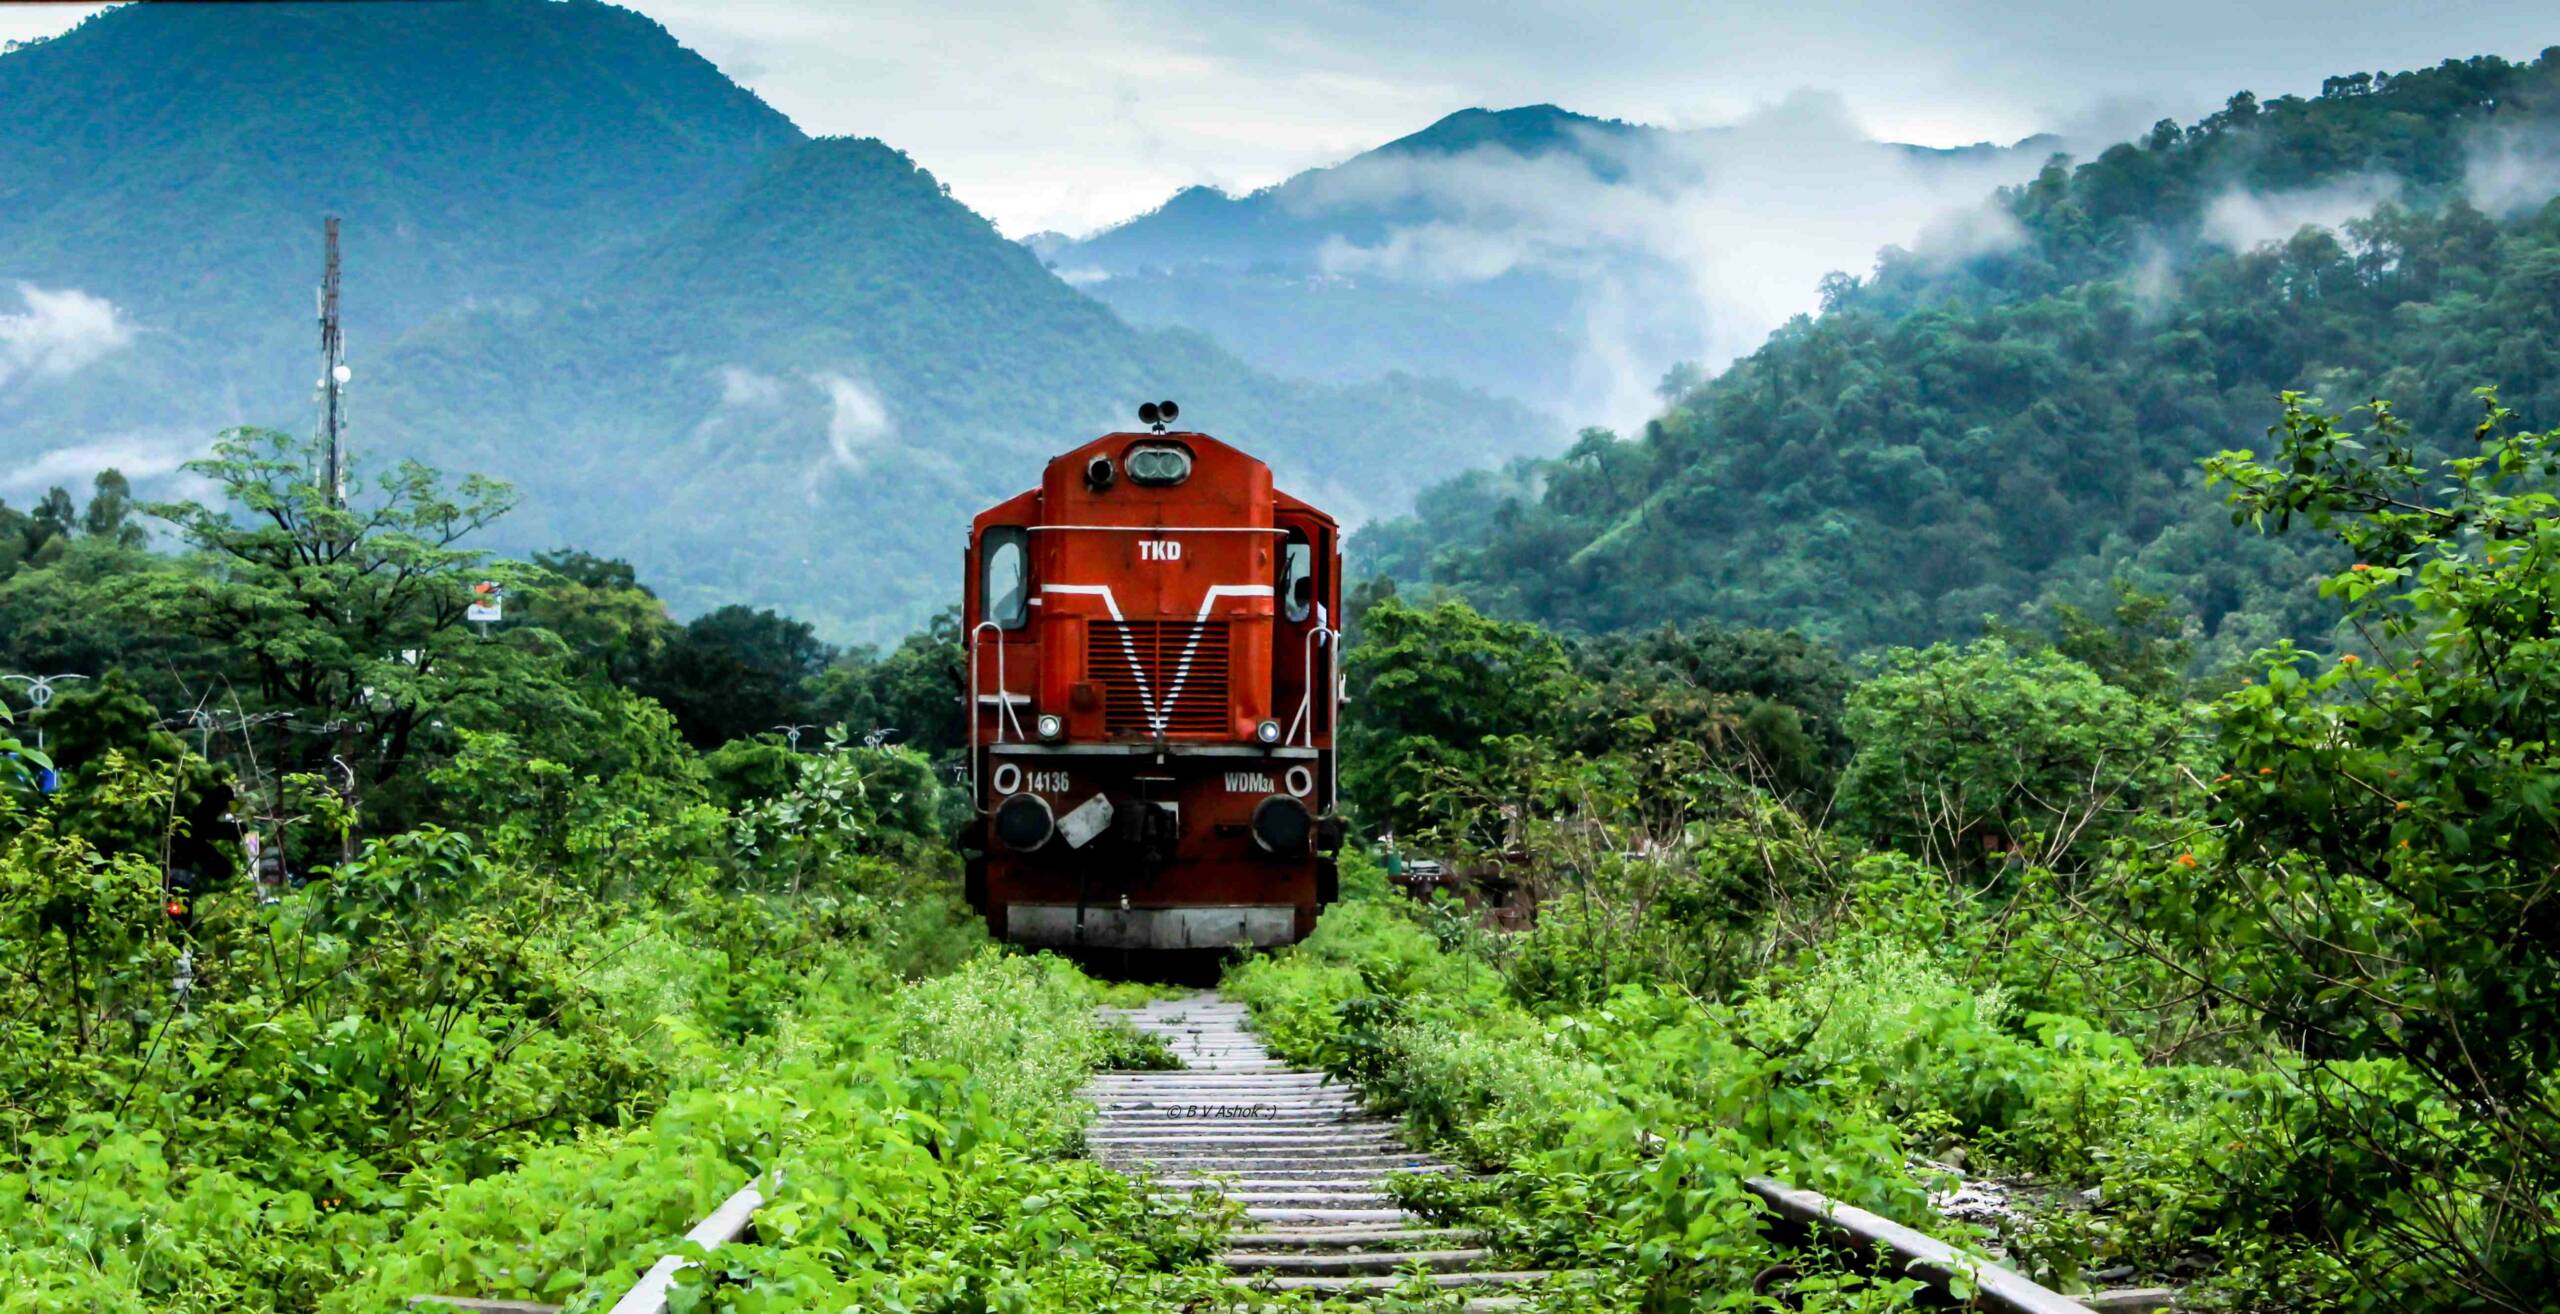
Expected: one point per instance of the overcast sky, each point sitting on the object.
(1070, 114)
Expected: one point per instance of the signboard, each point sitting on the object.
(487, 603)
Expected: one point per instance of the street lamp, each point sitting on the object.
(40, 693)
(791, 734)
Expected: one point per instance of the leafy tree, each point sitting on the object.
(1966, 754)
(614, 626)
(67, 614)
(2144, 643)
(2011, 430)
(736, 672)
(909, 695)
(1437, 689)
(346, 618)
(2386, 838)
(108, 515)
(1763, 704)
(100, 728)
(38, 538)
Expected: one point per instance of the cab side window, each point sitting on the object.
(1297, 577)
(1004, 589)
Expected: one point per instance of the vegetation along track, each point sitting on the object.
(1307, 1163)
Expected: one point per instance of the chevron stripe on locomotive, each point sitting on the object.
(1154, 666)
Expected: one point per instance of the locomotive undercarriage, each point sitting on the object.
(1156, 847)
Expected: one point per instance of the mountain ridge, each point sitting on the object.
(2015, 428)
(579, 258)
(1511, 249)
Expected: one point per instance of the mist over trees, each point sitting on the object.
(1996, 435)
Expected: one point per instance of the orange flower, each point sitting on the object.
(2359, 566)
(2349, 658)
(2223, 779)
(2266, 771)
(2401, 806)
(2187, 860)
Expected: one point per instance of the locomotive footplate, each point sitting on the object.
(1067, 926)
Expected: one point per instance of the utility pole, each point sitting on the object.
(333, 375)
(333, 421)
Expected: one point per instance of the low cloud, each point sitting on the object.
(2510, 169)
(150, 460)
(1688, 246)
(2244, 220)
(743, 387)
(2154, 281)
(57, 332)
(856, 419)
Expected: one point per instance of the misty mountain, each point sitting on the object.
(577, 257)
(1557, 258)
(175, 161)
(806, 390)
(1955, 438)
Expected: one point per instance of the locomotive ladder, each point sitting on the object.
(1309, 1165)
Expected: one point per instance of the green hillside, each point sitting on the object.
(1950, 440)
(578, 257)
(798, 398)
(177, 161)
(1494, 247)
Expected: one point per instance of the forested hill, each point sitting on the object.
(577, 257)
(1524, 250)
(805, 391)
(1954, 439)
(174, 161)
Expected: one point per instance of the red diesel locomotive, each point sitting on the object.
(1153, 664)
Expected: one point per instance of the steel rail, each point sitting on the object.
(724, 1225)
(649, 1295)
(1914, 1252)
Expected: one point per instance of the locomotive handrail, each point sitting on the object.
(1004, 700)
(1328, 639)
(1152, 748)
(1162, 529)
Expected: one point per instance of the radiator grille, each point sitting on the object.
(1168, 675)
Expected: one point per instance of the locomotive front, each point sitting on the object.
(1154, 671)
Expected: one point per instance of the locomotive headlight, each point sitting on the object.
(1051, 725)
(1268, 732)
(1158, 465)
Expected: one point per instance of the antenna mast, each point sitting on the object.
(333, 374)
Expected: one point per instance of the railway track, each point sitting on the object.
(1310, 1168)
(1306, 1162)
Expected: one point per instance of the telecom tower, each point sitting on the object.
(333, 375)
